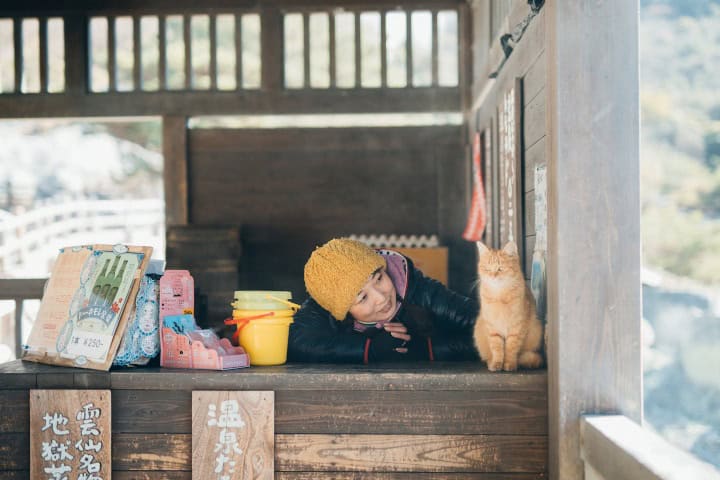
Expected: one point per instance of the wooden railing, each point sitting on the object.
(19, 290)
(616, 448)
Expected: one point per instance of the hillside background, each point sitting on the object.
(680, 198)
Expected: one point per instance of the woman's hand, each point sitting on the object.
(398, 330)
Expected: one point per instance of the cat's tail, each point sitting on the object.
(530, 360)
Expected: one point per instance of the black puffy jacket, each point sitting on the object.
(315, 336)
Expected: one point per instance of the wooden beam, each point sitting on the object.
(18, 46)
(358, 51)
(593, 268)
(619, 449)
(112, 54)
(238, 52)
(162, 52)
(30, 288)
(272, 41)
(175, 170)
(137, 54)
(213, 52)
(306, 49)
(43, 34)
(383, 49)
(187, 42)
(434, 49)
(232, 103)
(408, 49)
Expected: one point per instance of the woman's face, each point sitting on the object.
(376, 301)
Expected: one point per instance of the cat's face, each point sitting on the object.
(497, 263)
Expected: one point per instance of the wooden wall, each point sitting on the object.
(456, 422)
(293, 189)
(525, 70)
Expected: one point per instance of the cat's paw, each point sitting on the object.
(495, 366)
(510, 366)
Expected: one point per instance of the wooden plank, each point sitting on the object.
(175, 170)
(529, 209)
(15, 452)
(50, 7)
(55, 380)
(534, 120)
(219, 140)
(18, 46)
(453, 376)
(534, 156)
(30, 288)
(535, 79)
(243, 424)
(137, 54)
(91, 380)
(157, 475)
(138, 451)
(332, 67)
(403, 476)
(411, 453)
(272, 49)
(529, 247)
(14, 411)
(187, 42)
(18, 327)
(162, 51)
(238, 52)
(597, 326)
(222, 102)
(112, 54)
(213, 52)
(419, 412)
(43, 45)
(306, 49)
(620, 449)
(440, 412)
(153, 411)
(77, 419)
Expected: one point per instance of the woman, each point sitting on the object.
(369, 306)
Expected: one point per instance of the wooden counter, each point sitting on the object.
(421, 421)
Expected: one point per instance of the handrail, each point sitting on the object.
(616, 448)
(20, 289)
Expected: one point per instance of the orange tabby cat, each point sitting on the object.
(507, 332)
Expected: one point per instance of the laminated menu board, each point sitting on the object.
(86, 305)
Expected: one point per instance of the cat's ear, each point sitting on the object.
(510, 248)
(481, 248)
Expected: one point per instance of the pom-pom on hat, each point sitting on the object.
(337, 271)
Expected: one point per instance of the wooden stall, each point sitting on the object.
(549, 88)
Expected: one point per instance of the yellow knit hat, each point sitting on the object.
(337, 271)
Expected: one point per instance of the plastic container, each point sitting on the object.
(266, 340)
(261, 300)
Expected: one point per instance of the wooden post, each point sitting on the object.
(175, 170)
(593, 270)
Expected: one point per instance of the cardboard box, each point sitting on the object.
(432, 261)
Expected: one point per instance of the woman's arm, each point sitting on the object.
(316, 337)
(452, 311)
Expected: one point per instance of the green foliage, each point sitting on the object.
(680, 102)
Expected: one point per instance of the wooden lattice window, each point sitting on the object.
(370, 49)
(32, 55)
(174, 52)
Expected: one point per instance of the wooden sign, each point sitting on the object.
(511, 220)
(86, 305)
(233, 435)
(70, 434)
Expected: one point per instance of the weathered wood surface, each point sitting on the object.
(403, 476)
(593, 265)
(356, 412)
(616, 448)
(254, 177)
(411, 453)
(242, 424)
(175, 175)
(451, 376)
(84, 419)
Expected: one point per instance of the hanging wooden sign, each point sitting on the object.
(509, 138)
(86, 305)
(233, 435)
(70, 434)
